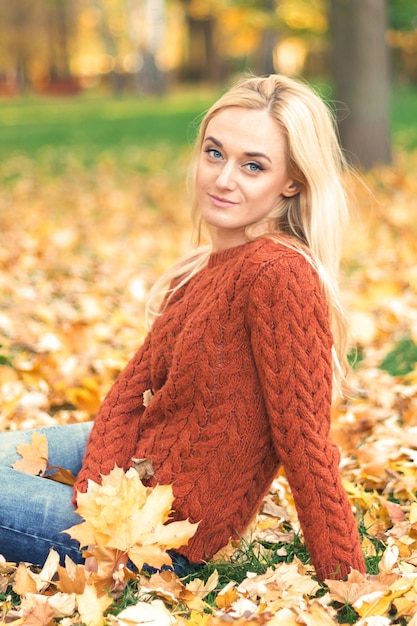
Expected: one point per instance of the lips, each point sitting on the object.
(221, 202)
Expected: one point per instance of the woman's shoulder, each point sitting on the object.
(280, 253)
(279, 266)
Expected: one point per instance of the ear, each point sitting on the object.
(291, 189)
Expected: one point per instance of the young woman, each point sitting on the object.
(242, 353)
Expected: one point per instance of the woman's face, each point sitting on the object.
(241, 173)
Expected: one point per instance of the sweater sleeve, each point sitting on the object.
(115, 432)
(292, 345)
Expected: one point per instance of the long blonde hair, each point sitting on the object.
(315, 218)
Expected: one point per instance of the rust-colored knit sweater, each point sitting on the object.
(240, 367)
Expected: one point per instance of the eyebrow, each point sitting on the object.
(248, 154)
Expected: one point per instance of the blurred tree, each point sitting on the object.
(61, 16)
(264, 57)
(361, 72)
(35, 38)
(15, 41)
(202, 61)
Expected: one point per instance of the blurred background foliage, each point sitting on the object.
(50, 46)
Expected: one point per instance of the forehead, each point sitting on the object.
(250, 129)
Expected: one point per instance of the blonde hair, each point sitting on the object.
(315, 218)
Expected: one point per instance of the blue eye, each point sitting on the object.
(214, 153)
(254, 167)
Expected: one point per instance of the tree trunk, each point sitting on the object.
(264, 56)
(203, 62)
(361, 74)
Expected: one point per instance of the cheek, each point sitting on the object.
(273, 192)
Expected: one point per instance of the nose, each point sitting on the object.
(226, 177)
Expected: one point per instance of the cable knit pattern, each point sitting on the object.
(240, 367)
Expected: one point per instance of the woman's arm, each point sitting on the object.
(292, 346)
(116, 428)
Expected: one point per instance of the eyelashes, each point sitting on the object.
(213, 152)
(252, 166)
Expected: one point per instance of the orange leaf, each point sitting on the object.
(34, 456)
(356, 586)
(227, 596)
(24, 582)
(72, 577)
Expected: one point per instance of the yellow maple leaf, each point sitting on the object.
(123, 514)
(91, 606)
(154, 555)
(34, 459)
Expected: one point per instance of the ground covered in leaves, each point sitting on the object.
(79, 248)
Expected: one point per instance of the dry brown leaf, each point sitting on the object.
(143, 467)
(60, 475)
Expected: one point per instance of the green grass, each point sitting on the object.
(402, 359)
(404, 118)
(91, 124)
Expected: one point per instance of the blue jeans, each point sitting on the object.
(34, 511)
